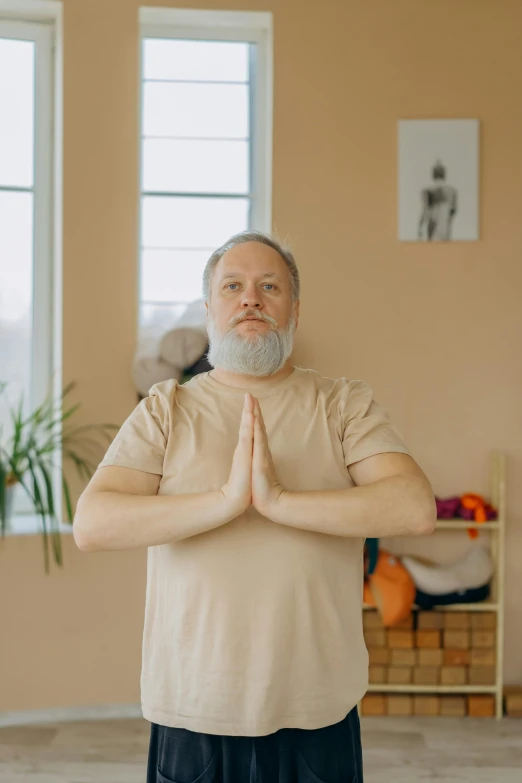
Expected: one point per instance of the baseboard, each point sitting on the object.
(65, 714)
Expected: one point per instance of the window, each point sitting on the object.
(205, 148)
(27, 194)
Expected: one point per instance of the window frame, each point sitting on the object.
(41, 22)
(246, 27)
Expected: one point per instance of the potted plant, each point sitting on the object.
(27, 460)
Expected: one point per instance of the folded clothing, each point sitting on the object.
(474, 569)
(473, 596)
(147, 370)
(182, 346)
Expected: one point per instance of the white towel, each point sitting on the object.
(474, 569)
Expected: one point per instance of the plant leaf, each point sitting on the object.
(67, 496)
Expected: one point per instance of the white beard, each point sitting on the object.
(264, 353)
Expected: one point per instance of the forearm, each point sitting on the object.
(398, 505)
(113, 520)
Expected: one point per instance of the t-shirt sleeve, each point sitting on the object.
(142, 439)
(367, 428)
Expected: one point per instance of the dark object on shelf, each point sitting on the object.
(202, 365)
(472, 596)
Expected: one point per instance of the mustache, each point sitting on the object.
(257, 316)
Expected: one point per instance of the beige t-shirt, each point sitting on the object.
(254, 626)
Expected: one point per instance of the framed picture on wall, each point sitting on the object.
(438, 171)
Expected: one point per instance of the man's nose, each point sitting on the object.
(251, 298)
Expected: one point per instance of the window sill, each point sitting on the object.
(30, 525)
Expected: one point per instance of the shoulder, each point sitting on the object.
(344, 396)
(164, 390)
(342, 387)
(170, 394)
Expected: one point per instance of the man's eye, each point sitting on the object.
(271, 285)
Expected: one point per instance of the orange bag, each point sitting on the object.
(390, 588)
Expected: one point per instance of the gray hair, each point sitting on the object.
(252, 236)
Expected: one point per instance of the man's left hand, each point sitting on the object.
(266, 489)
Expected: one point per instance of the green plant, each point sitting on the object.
(28, 458)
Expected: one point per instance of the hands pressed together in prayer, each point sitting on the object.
(390, 504)
(253, 480)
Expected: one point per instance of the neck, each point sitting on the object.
(250, 381)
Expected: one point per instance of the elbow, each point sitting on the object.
(424, 526)
(82, 531)
(425, 517)
(425, 523)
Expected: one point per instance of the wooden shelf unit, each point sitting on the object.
(495, 603)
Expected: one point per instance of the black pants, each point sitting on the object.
(331, 754)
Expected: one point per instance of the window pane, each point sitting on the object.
(195, 110)
(201, 61)
(197, 166)
(171, 222)
(173, 275)
(16, 298)
(16, 112)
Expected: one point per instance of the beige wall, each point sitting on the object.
(435, 329)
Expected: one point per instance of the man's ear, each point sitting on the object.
(297, 313)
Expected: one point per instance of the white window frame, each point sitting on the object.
(247, 27)
(41, 21)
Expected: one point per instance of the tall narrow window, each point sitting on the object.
(25, 218)
(205, 153)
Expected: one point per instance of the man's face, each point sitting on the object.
(251, 317)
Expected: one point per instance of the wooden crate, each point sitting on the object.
(513, 700)
(483, 639)
(426, 704)
(481, 706)
(483, 656)
(453, 706)
(484, 621)
(456, 657)
(428, 657)
(401, 639)
(379, 656)
(400, 657)
(457, 621)
(375, 637)
(428, 638)
(426, 675)
(482, 675)
(372, 619)
(374, 704)
(457, 640)
(400, 704)
(399, 675)
(453, 675)
(377, 674)
(430, 621)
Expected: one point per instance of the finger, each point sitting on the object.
(260, 442)
(247, 422)
(259, 415)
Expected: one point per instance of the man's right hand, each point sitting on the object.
(238, 489)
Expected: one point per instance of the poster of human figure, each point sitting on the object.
(438, 165)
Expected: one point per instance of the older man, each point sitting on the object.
(254, 486)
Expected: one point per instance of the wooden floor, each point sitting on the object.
(396, 750)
